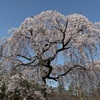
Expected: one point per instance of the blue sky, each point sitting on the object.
(13, 12)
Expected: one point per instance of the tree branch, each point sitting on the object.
(68, 41)
(24, 64)
(31, 31)
(23, 56)
(48, 74)
(62, 42)
(56, 78)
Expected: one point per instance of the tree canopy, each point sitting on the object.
(51, 45)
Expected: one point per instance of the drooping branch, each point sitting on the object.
(47, 76)
(23, 56)
(2, 48)
(25, 64)
(1, 51)
(70, 69)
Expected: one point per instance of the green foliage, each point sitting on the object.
(25, 83)
(71, 89)
(30, 98)
(16, 95)
(19, 88)
(2, 91)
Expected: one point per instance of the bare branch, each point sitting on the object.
(23, 56)
(24, 64)
(68, 41)
(55, 78)
(66, 26)
(31, 31)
